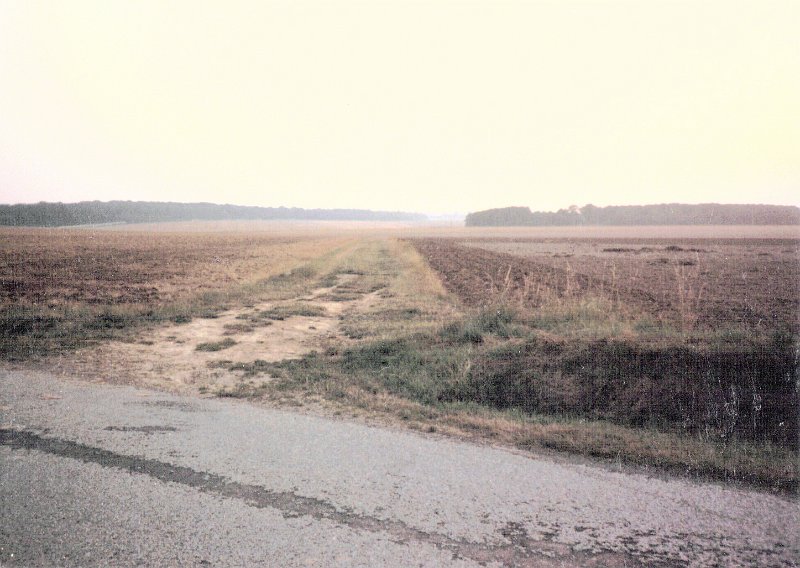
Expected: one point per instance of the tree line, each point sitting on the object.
(45, 214)
(663, 214)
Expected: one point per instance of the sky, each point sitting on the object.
(436, 107)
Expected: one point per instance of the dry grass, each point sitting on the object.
(408, 297)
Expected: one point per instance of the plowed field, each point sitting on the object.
(56, 267)
(750, 285)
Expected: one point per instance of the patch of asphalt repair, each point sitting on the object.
(521, 550)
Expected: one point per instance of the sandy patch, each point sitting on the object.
(168, 358)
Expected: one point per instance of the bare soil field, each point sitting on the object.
(741, 285)
(57, 266)
(61, 288)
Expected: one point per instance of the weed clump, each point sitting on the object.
(243, 389)
(215, 345)
(285, 311)
(236, 328)
(496, 321)
(257, 367)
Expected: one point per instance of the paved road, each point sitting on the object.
(93, 475)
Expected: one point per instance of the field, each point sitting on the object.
(66, 288)
(624, 326)
(673, 351)
(731, 285)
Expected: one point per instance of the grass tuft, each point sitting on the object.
(496, 321)
(215, 345)
(300, 309)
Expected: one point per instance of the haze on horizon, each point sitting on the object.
(428, 107)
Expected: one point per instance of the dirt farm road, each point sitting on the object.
(99, 475)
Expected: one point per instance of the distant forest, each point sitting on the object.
(98, 212)
(665, 214)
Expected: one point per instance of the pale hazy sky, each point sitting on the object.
(416, 106)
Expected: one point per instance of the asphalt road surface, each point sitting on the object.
(94, 475)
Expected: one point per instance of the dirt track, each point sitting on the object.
(168, 357)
